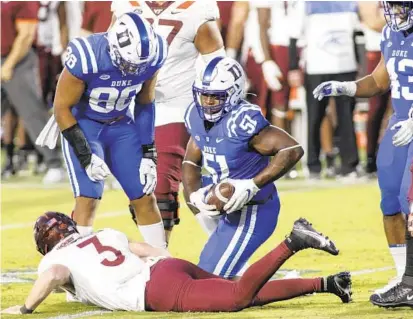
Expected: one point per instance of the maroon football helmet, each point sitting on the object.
(50, 229)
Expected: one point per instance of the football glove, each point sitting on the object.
(245, 190)
(97, 170)
(404, 134)
(147, 170)
(197, 201)
(334, 88)
(272, 73)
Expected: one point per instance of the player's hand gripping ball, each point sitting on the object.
(219, 195)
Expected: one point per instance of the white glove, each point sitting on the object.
(405, 134)
(245, 190)
(97, 170)
(197, 199)
(15, 310)
(272, 73)
(147, 173)
(335, 88)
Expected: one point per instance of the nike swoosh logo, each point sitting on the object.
(219, 140)
(409, 297)
(176, 12)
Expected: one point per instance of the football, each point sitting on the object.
(219, 195)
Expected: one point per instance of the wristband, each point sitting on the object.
(77, 140)
(25, 310)
(149, 151)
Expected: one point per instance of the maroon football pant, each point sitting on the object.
(170, 140)
(178, 285)
(377, 108)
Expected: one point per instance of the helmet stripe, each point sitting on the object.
(143, 32)
(210, 70)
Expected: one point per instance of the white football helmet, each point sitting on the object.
(398, 14)
(132, 44)
(218, 88)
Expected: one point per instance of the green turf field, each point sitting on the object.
(348, 214)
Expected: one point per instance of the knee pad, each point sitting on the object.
(169, 206)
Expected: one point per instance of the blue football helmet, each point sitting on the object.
(398, 14)
(218, 88)
(133, 44)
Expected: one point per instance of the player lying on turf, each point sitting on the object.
(395, 71)
(107, 270)
(232, 140)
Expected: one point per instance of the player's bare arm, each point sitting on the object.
(375, 83)
(239, 15)
(25, 34)
(147, 94)
(371, 15)
(208, 38)
(68, 92)
(191, 169)
(264, 18)
(54, 277)
(286, 152)
(144, 250)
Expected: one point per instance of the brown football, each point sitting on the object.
(219, 195)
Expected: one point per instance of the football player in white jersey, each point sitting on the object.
(191, 30)
(116, 274)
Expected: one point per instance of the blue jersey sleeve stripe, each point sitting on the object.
(143, 33)
(83, 59)
(188, 115)
(158, 52)
(91, 55)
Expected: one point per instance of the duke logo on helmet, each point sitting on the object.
(222, 79)
(132, 44)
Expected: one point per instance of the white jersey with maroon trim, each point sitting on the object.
(104, 271)
(178, 22)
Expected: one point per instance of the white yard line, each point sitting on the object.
(27, 225)
(80, 314)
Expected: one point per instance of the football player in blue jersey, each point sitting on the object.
(232, 140)
(395, 71)
(104, 73)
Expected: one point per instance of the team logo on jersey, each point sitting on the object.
(104, 77)
(197, 138)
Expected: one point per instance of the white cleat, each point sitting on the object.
(54, 175)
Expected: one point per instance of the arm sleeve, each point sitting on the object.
(145, 122)
(246, 122)
(209, 12)
(27, 10)
(120, 7)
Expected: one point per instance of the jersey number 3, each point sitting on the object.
(101, 249)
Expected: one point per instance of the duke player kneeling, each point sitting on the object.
(232, 141)
(104, 73)
(135, 276)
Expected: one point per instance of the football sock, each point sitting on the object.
(154, 234)
(207, 223)
(84, 230)
(10, 152)
(398, 253)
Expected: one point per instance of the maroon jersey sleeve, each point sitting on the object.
(27, 11)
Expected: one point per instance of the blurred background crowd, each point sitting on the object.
(286, 51)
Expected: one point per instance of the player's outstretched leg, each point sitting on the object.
(278, 290)
(304, 236)
(234, 296)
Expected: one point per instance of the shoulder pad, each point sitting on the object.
(80, 58)
(245, 121)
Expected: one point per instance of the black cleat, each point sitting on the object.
(133, 213)
(8, 171)
(400, 295)
(340, 285)
(305, 236)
